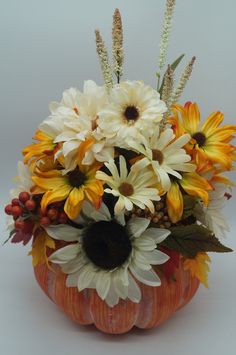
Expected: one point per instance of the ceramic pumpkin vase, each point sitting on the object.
(86, 307)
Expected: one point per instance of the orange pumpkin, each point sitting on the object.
(86, 307)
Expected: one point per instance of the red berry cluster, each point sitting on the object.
(53, 215)
(26, 210)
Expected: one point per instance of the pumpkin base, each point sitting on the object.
(86, 307)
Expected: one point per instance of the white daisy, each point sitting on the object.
(23, 180)
(164, 154)
(81, 124)
(109, 255)
(131, 188)
(211, 215)
(134, 108)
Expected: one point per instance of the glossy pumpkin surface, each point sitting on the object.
(86, 307)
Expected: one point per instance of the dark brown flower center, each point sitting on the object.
(157, 155)
(131, 113)
(200, 138)
(107, 244)
(76, 178)
(126, 189)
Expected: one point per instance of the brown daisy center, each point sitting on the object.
(76, 178)
(131, 113)
(157, 155)
(200, 138)
(126, 189)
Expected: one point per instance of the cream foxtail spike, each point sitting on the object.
(167, 93)
(104, 61)
(182, 82)
(165, 35)
(117, 45)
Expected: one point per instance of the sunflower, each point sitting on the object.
(192, 184)
(209, 141)
(72, 187)
(109, 255)
(134, 109)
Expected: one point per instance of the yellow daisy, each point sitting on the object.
(45, 148)
(209, 141)
(73, 187)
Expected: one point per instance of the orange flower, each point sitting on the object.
(209, 141)
(45, 148)
(194, 185)
(73, 187)
(199, 267)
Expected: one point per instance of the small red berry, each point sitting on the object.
(52, 214)
(30, 205)
(19, 224)
(17, 211)
(24, 196)
(8, 209)
(45, 221)
(15, 202)
(63, 218)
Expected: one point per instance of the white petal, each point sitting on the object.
(138, 225)
(112, 298)
(119, 206)
(148, 277)
(65, 254)
(156, 257)
(103, 280)
(64, 232)
(157, 234)
(123, 168)
(72, 280)
(134, 292)
(120, 218)
(86, 276)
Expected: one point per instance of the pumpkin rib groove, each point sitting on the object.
(86, 307)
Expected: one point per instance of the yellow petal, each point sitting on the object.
(223, 134)
(220, 153)
(93, 197)
(192, 118)
(196, 185)
(49, 183)
(83, 148)
(59, 194)
(174, 201)
(39, 248)
(199, 267)
(212, 122)
(74, 202)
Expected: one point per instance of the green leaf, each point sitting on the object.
(173, 66)
(176, 62)
(192, 239)
(10, 235)
(189, 204)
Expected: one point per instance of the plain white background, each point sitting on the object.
(47, 47)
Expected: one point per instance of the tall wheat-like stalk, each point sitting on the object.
(104, 61)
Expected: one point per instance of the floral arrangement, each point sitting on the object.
(122, 181)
